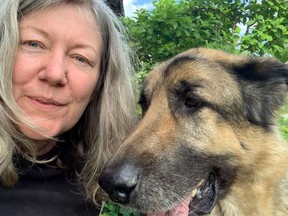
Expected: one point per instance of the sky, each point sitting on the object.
(130, 6)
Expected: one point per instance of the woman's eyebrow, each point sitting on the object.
(29, 27)
(87, 46)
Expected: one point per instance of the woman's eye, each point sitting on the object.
(33, 44)
(82, 60)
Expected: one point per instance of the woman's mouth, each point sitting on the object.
(45, 103)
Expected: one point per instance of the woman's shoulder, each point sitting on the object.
(45, 190)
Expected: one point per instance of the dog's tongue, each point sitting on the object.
(181, 210)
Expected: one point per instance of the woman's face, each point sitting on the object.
(57, 67)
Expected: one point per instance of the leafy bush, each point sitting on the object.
(253, 26)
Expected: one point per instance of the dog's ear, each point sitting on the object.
(263, 83)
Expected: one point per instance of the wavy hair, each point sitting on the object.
(106, 120)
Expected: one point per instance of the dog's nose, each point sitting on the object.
(119, 182)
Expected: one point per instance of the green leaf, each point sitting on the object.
(176, 25)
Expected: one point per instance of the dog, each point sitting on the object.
(208, 132)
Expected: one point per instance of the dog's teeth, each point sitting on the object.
(199, 194)
(194, 192)
(200, 183)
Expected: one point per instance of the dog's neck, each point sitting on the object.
(249, 199)
(266, 187)
(234, 205)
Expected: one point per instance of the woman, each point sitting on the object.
(67, 101)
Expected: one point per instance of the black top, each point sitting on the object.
(44, 191)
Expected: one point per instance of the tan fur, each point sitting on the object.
(259, 156)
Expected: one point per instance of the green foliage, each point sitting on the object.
(284, 126)
(253, 26)
(283, 121)
(267, 28)
(111, 209)
(142, 72)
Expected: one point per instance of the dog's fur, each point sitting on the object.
(208, 112)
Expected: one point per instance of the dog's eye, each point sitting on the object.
(192, 103)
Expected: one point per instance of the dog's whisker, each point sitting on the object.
(192, 213)
(181, 176)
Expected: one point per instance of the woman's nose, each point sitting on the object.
(55, 71)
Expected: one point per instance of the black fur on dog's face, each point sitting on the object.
(205, 115)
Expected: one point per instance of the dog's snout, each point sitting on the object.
(119, 182)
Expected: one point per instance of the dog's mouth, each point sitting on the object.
(202, 199)
(204, 196)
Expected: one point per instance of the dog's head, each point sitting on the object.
(207, 116)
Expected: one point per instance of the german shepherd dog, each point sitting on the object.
(208, 132)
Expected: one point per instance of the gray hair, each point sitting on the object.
(106, 120)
